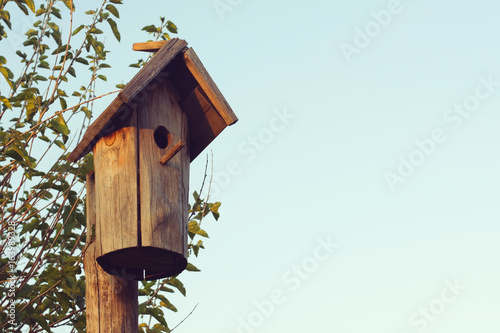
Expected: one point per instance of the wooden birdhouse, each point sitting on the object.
(143, 144)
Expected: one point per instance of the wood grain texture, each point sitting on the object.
(163, 188)
(209, 87)
(119, 108)
(115, 164)
(152, 69)
(111, 302)
(171, 152)
(204, 120)
(190, 78)
(149, 46)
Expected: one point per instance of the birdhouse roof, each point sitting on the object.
(206, 108)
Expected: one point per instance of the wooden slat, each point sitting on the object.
(149, 46)
(205, 81)
(162, 187)
(115, 163)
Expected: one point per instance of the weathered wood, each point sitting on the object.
(89, 263)
(172, 151)
(163, 187)
(204, 120)
(142, 150)
(104, 124)
(111, 302)
(209, 87)
(152, 69)
(175, 59)
(115, 165)
(149, 46)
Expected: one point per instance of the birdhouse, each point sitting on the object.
(143, 144)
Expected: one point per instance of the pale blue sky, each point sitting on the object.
(322, 172)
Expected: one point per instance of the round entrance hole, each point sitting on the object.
(162, 137)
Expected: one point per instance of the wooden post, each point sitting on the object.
(112, 302)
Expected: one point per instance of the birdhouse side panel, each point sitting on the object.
(163, 187)
(115, 163)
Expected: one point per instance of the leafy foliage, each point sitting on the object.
(43, 112)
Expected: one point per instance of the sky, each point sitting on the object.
(359, 187)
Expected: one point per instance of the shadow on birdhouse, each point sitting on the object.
(143, 144)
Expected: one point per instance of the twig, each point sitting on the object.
(190, 313)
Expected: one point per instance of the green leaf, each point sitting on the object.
(215, 210)
(116, 1)
(192, 268)
(41, 321)
(58, 124)
(171, 27)
(72, 71)
(120, 86)
(31, 5)
(60, 144)
(82, 61)
(31, 109)
(112, 9)
(37, 78)
(21, 6)
(150, 28)
(114, 28)
(7, 74)
(194, 227)
(95, 31)
(61, 48)
(64, 105)
(177, 284)
(142, 308)
(102, 77)
(157, 314)
(196, 249)
(56, 12)
(21, 155)
(77, 30)
(6, 102)
(29, 227)
(63, 300)
(87, 112)
(166, 304)
(69, 4)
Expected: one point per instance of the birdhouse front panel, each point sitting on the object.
(164, 184)
(142, 189)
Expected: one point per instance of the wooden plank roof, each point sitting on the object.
(207, 110)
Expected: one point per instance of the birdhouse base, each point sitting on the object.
(142, 263)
